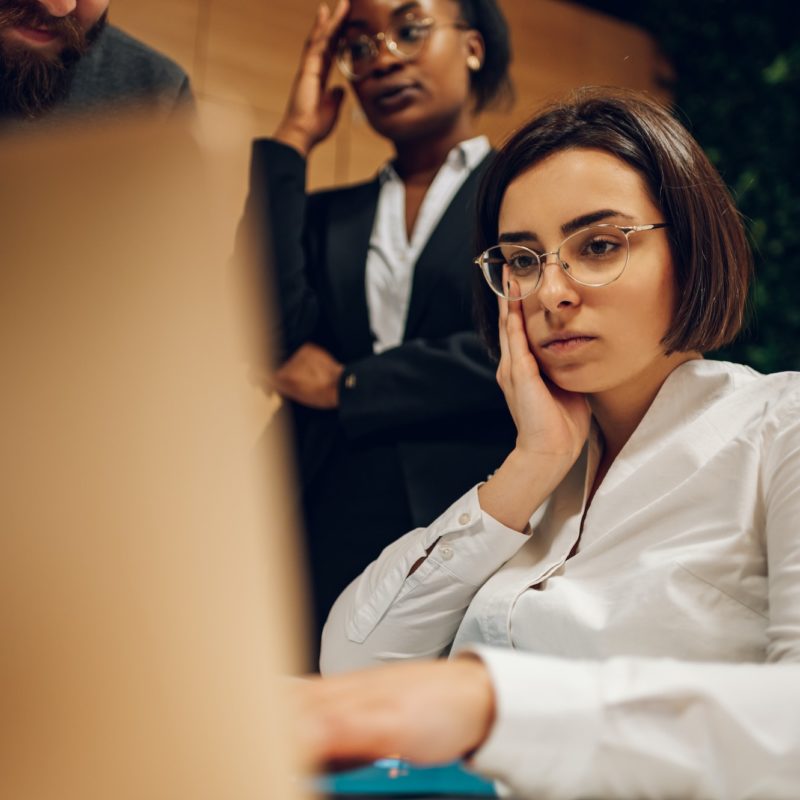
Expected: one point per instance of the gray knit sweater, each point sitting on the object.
(118, 70)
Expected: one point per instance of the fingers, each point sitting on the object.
(340, 723)
(519, 349)
(339, 14)
(332, 102)
(311, 111)
(429, 712)
(333, 29)
(316, 40)
(318, 43)
(503, 372)
(516, 358)
(322, 39)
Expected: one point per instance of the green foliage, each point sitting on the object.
(737, 87)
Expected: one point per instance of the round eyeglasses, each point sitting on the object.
(594, 256)
(405, 39)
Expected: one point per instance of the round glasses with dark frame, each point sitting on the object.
(593, 256)
(405, 39)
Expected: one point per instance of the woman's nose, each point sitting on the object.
(384, 59)
(556, 291)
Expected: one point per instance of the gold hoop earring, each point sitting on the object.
(473, 63)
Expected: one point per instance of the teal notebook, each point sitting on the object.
(391, 776)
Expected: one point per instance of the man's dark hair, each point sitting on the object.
(712, 260)
(491, 84)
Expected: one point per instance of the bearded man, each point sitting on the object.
(61, 58)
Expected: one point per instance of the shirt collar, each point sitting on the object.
(465, 155)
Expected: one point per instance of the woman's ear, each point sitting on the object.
(475, 50)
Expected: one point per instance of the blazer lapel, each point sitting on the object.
(455, 229)
(351, 216)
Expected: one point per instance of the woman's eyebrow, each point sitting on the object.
(515, 237)
(398, 12)
(591, 218)
(405, 8)
(584, 220)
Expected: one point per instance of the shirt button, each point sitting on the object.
(446, 552)
(464, 519)
(350, 381)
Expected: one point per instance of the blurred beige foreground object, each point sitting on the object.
(148, 590)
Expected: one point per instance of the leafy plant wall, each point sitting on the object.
(737, 88)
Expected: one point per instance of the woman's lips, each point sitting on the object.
(398, 98)
(568, 345)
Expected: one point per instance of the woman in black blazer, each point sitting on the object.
(396, 410)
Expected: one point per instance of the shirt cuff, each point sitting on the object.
(469, 543)
(547, 724)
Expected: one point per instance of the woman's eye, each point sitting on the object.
(600, 247)
(523, 263)
(411, 32)
(359, 49)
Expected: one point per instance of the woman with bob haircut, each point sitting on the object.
(620, 600)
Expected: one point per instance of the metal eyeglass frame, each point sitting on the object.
(428, 23)
(627, 230)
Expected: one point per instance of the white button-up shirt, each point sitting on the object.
(392, 256)
(646, 664)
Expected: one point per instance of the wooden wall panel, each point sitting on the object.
(557, 47)
(242, 55)
(253, 50)
(171, 26)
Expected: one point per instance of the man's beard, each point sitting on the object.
(33, 82)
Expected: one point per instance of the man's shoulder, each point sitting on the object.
(122, 53)
(119, 69)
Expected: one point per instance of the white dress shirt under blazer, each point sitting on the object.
(392, 256)
(661, 659)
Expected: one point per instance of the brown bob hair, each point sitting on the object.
(712, 260)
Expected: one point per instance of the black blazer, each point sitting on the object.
(417, 424)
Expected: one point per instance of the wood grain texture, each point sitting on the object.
(242, 55)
